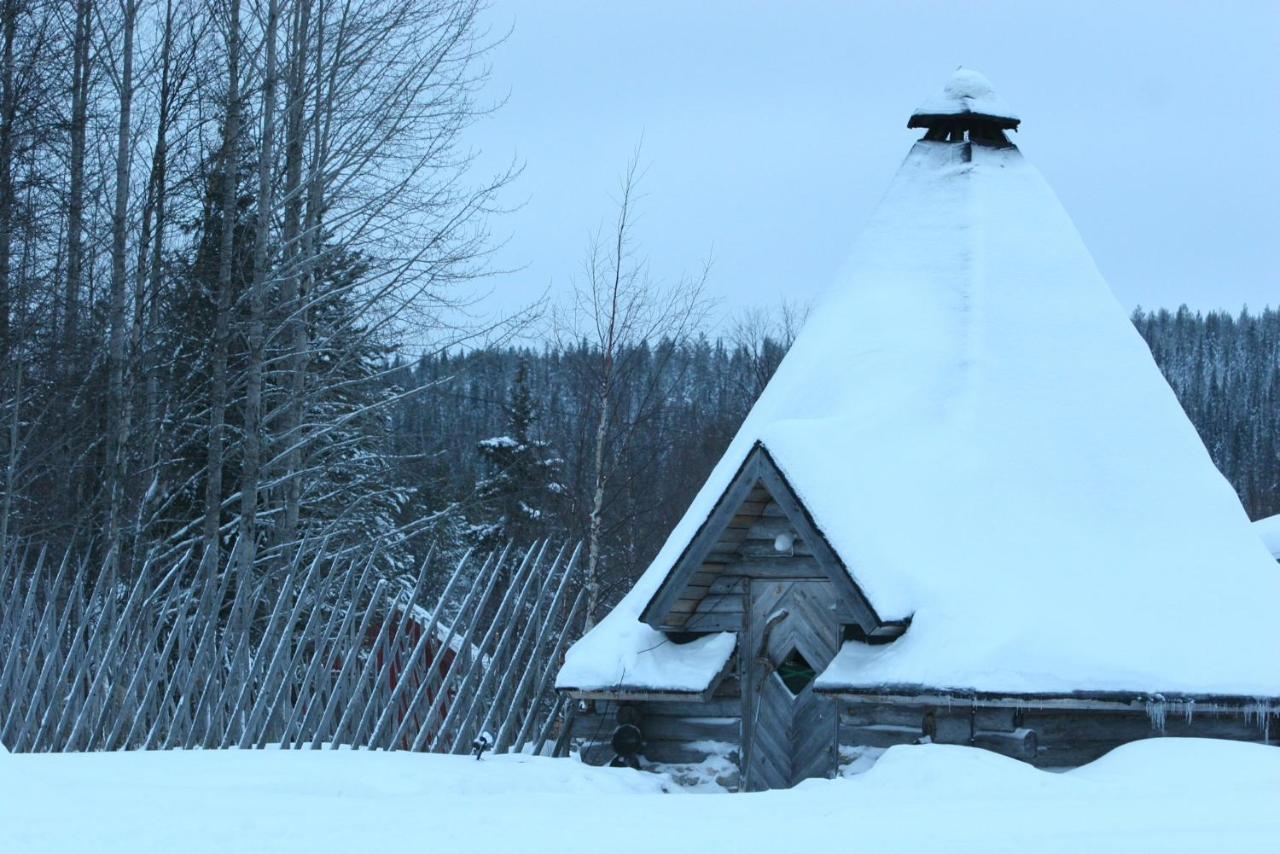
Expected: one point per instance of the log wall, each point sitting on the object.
(679, 733)
(689, 733)
(1045, 737)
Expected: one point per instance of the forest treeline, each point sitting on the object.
(1225, 370)
(539, 406)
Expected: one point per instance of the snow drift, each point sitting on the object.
(1160, 794)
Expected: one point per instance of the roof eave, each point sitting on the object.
(926, 120)
(1101, 700)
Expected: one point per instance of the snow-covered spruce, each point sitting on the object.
(522, 477)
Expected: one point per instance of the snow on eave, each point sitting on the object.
(623, 656)
(1268, 530)
(638, 693)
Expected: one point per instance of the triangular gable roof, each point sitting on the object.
(758, 471)
(984, 440)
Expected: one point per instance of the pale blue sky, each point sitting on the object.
(771, 129)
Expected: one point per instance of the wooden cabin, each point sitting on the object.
(967, 509)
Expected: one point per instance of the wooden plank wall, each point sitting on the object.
(714, 599)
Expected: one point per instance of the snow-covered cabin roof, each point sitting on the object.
(967, 93)
(977, 430)
(1269, 530)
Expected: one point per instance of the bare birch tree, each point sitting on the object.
(117, 411)
(253, 438)
(80, 83)
(202, 352)
(226, 261)
(616, 307)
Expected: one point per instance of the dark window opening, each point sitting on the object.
(886, 633)
(796, 673)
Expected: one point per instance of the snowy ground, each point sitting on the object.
(1163, 794)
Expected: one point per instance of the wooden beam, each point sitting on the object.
(1097, 701)
(639, 694)
(717, 707)
(692, 728)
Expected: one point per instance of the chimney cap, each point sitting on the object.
(968, 99)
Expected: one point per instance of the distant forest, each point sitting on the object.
(499, 443)
(1226, 372)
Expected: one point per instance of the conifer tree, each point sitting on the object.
(517, 494)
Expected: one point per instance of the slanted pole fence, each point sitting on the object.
(316, 652)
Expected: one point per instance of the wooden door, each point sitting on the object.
(788, 731)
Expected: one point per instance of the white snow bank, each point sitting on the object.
(967, 91)
(1175, 758)
(979, 432)
(1269, 530)
(1163, 795)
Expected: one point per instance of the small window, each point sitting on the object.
(796, 673)
(886, 633)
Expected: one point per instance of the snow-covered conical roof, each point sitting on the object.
(981, 435)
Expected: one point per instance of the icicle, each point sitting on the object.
(1157, 710)
(1260, 712)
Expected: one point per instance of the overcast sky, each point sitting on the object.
(770, 130)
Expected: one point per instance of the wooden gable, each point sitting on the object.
(740, 540)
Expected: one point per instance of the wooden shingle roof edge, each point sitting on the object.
(758, 466)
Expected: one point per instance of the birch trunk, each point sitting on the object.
(291, 291)
(159, 172)
(252, 468)
(594, 537)
(75, 196)
(118, 417)
(8, 115)
(222, 320)
(11, 469)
